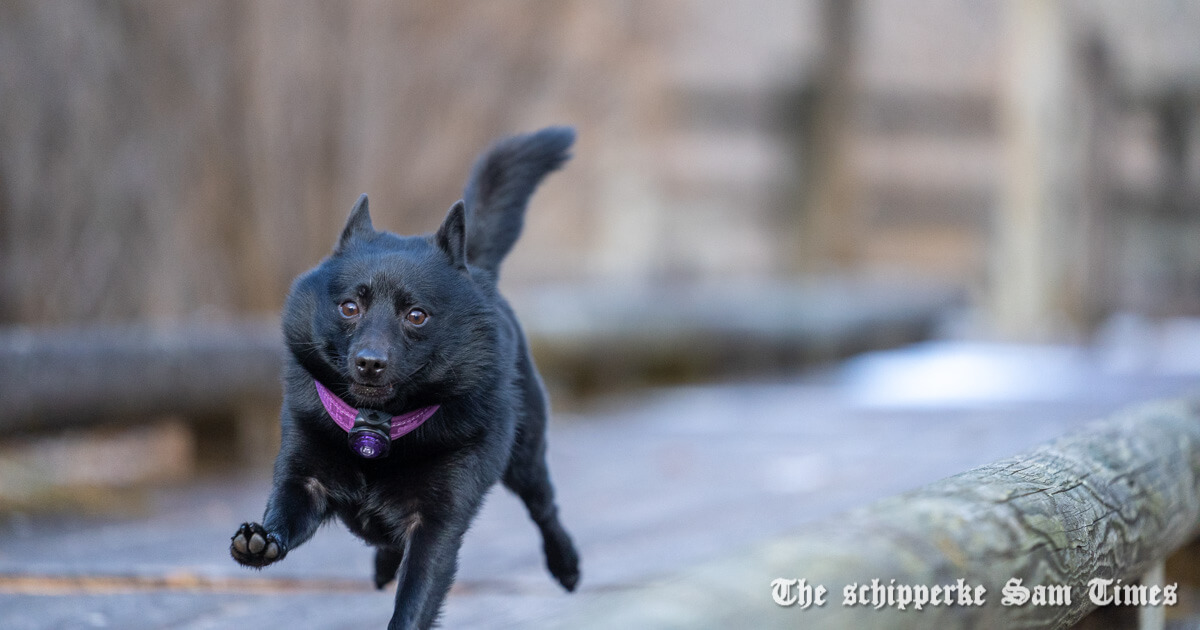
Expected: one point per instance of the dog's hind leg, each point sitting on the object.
(530, 480)
(387, 562)
(528, 476)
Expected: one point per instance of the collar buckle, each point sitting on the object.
(371, 435)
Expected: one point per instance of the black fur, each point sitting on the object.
(500, 186)
(469, 355)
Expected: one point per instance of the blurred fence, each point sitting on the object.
(177, 159)
(164, 160)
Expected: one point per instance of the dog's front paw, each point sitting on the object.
(254, 546)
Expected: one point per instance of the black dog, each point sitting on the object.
(403, 344)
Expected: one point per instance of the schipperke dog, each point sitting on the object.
(409, 391)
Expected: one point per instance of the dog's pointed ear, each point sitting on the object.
(358, 224)
(451, 237)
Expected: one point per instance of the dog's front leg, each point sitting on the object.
(296, 508)
(433, 535)
(292, 517)
(430, 562)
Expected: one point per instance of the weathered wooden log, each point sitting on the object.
(594, 339)
(68, 378)
(583, 339)
(1107, 502)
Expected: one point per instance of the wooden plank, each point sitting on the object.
(1026, 288)
(830, 222)
(1108, 502)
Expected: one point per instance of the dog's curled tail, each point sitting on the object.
(500, 186)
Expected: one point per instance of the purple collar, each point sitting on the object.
(343, 414)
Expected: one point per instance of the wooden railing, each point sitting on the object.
(1109, 502)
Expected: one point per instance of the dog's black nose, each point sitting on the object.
(370, 364)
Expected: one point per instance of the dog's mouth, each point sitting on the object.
(372, 392)
(375, 394)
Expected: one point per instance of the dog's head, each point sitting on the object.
(388, 321)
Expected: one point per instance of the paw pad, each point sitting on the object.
(254, 546)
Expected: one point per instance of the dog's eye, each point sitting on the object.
(416, 317)
(348, 309)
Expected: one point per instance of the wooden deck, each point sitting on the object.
(649, 484)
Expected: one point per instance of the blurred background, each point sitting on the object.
(760, 191)
(166, 161)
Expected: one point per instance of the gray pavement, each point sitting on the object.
(649, 484)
